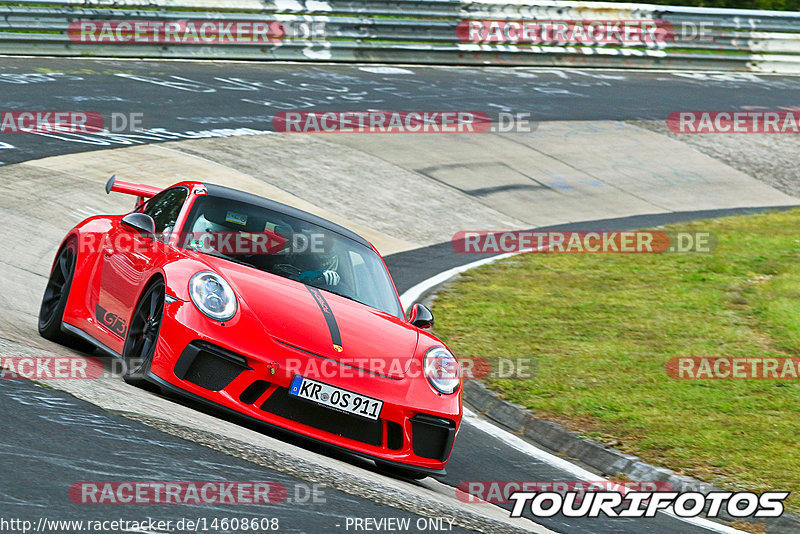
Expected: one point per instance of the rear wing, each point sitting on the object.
(141, 191)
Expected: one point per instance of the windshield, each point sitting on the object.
(289, 247)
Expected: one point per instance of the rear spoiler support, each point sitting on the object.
(141, 191)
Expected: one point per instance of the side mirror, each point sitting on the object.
(141, 222)
(421, 317)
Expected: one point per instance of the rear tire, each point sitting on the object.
(142, 338)
(54, 301)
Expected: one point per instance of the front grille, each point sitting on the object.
(432, 437)
(282, 404)
(209, 366)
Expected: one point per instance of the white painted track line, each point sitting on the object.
(578, 472)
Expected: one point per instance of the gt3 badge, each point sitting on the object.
(112, 321)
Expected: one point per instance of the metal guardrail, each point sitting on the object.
(417, 31)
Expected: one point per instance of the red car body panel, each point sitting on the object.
(279, 330)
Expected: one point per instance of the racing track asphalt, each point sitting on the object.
(52, 441)
(183, 97)
(190, 96)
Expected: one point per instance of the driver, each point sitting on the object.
(315, 262)
(202, 234)
(308, 262)
(325, 267)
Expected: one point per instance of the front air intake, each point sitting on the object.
(432, 437)
(254, 392)
(209, 366)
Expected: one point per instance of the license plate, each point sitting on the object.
(336, 398)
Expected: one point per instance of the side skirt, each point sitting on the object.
(75, 331)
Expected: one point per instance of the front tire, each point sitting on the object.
(140, 343)
(54, 301)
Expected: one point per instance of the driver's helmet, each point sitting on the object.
(204, 234)
(324, 259)
(329, 261)
(203, 225)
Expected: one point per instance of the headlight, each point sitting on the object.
(212, 295)
(442, 370)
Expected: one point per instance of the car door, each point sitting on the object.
(127, 259)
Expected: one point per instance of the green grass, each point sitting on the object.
(602, 327)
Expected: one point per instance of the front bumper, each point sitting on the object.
(242, 370)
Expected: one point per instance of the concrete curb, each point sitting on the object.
(606, 461)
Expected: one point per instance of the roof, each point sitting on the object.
(249, 198)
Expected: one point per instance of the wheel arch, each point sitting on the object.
(152, 279)
(71, 235)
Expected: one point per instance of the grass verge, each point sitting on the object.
(603, 326)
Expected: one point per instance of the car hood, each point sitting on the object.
(323, 323)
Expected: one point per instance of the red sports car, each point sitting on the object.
(264, 310)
